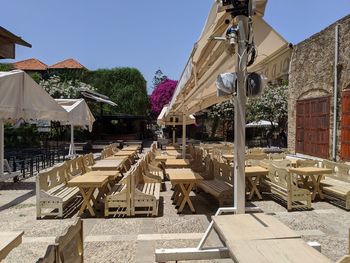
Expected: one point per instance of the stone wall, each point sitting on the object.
(312, 73)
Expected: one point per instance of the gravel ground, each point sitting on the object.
(117, 239)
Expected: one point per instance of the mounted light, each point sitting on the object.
(255, 84)
(226, 84)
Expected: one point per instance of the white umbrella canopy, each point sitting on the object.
(22, 98)
(261, 123)
(209, 58)
(79, 114)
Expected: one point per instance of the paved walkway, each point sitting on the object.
(135, 239)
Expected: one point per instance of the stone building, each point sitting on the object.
(319, 76)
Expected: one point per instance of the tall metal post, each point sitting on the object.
(1, 147)
(239, 130)
(71, 146)
(174, 134)
(184, 115)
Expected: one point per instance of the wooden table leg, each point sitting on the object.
(87, 194)
(185, 191)
(254, 188)
(316, 187)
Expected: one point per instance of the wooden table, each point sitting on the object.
(262, 238)
(128, 153)
(316, 174)
(163, 158)
(131, 148)
(173, 152)
(184, 180)
(176, 148)
(177, 163)
(253, 175)
(87, 186)
(8, 241)
(228, 157)
(104, 165)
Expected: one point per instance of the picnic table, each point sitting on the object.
(87, 186)
(262, 238)
(128, 153)
(253, 175)
(8, 241)
(177, 163)
(104, 165)
(316, 174)
(173, 152)
(184, 180)
(163, 158)
(131, 148)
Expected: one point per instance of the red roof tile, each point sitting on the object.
(30, 64)
(68, 63)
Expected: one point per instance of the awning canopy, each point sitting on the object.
(209, 58)
(97, 97)
(8, 43)
(78, 111)
(169, 118)
(22, 98)
(260, 123)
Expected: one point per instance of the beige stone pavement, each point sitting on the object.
(135, 239)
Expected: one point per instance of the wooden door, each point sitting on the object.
(312, 127)
(345, 126)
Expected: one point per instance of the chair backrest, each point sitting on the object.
(256, 156)
(280, 176)
(50, 255)
(70, 246)
(126, 165)
(277, 156)
(329, 164)
(75, 167)
(50, 178)
(282, 163)
(342, 172)
(306, 163)
(89, 159)
(255, 151)
(223, 172)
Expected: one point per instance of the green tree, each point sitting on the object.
(271, 106)
(158, 78)
(124, 86)
(5, 67)
(222, 112)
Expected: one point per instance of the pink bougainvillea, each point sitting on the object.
(162, 95)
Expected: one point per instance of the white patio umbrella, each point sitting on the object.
(261, 123)
(166, 117)
(22, 98)
(79, 114)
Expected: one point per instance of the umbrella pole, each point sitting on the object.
(1, 147)
(183, 132)
(71, 146)
(173, 134)
(240, 101)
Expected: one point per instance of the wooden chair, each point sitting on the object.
(50, 255)
(144, 194)
(220, 186)
(118, 200)
(70, 246)
(52, 192)
(338, 184)
(277, 156)
(256, 156)
(285, 185)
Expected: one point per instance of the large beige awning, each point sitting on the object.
(209, 58)
(170, 118)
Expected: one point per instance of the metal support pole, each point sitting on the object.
(1, 147)
(71, 146)
(184, 113)
(174, 134)
(240, 101)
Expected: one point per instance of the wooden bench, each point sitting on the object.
(68, 247)
(284, 184)
(220, 185)
(75, 167)
(89, 161)
(338, 184)
(52, 192)
(145, 192)
(117, 201)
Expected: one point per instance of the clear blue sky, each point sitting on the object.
(146, 34)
